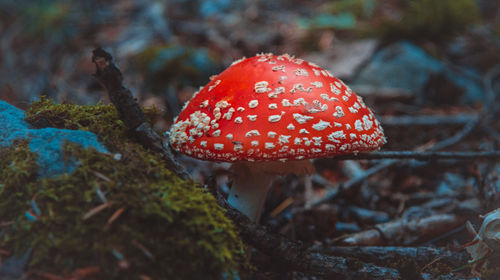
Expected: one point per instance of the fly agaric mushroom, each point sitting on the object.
(269, 115)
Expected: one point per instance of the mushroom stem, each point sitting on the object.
(249, 189)
(252, 180)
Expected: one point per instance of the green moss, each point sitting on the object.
(168, 228)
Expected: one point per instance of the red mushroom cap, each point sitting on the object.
(272, 107)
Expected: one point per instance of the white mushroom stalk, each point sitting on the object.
(252, 181)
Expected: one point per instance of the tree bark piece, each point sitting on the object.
(405, 232)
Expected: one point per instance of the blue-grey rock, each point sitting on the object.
(47, 143)
(404, 65)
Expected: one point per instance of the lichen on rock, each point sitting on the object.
(127, 218)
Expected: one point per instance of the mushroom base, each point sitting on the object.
(252, 181)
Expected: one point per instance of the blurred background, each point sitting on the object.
(420, 51)
(407, 58)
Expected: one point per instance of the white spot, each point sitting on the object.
(338, 112)
(254, 143)
(204, 104)
(261, 87)
(334, 136)
(321, 125)
(317, 84)
(282, 79)
(301, 118)
(273, 106)
(303, 131)
(344, 147)
(353, 110)
(290, 127)
(283, 149)
(336, 124)
(335, 90)
(218, 146)
(269, 146)
(240, 109)
(299, 101)
(274, 118)
(238, 120)
(278, 90)
(252, 133)
(253, 103)
(317, 141)
(300, 87)
(348, 126)
(367, 122)
(252, 117)
(297, 141)
(278, 68)
(214, 85)
(330, 147)
(352, 135)
(229, 136)
(316, 72)
(345, 98)
(358, 125)
(286, 103)
(229, 114)
(326, 97)
(301, 72)
(238, 146)
(307, 142)
(222, 104)
(203, 143)
(271, 134)
(216, 133)
(283, 139)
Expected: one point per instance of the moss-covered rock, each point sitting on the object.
(125, 218)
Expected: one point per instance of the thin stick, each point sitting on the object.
(488, 155)
(110, 77)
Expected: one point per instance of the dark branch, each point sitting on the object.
(110, 77)
(489, 155)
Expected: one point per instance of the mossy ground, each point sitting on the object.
(150, 223)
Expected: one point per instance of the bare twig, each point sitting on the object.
(488, 155)
(110, 77)
(404, 231)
